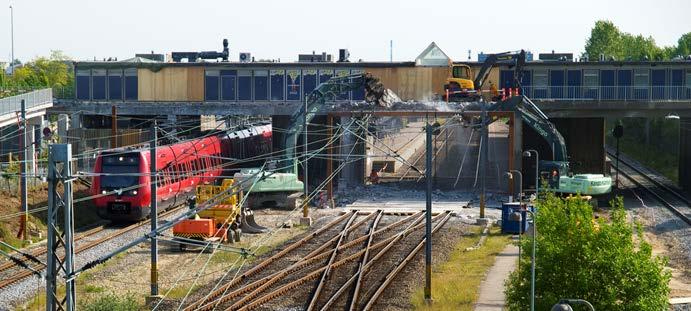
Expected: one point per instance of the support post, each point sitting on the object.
(305, 164)
(512, 186)
(154, 211)
(329, 161)
(428, 216)
(60, 172)
(114, 127)
(24, 169)
(484, 144)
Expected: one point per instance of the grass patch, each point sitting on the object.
(93, 288)
(180, 291)
(456, 282)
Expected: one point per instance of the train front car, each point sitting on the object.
(121, 184)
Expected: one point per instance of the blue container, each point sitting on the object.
(507, 224)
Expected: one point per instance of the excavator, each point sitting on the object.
(281, 187)
(555, 172)
(461, 87)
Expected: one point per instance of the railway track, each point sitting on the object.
(11, 273)
(346, 264)
(677, 203)
(419, 162)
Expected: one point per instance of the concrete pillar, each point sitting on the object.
(33, 126)
(172, 121)
(647, 131)
(685, 154)
(63, 126)
(347, 140)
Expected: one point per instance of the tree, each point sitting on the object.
(684, 45)
(598, 260)
(605, 38)
(39, 73)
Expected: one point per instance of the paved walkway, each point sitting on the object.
(492, 287)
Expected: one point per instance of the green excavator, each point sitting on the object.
(281, 186)
(556, 173)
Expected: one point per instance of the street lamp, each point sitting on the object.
(527, 154)
(565, 304)
(517, 216)
(509, 175)
(12, 35)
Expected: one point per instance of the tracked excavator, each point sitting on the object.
(281, 186)
(555, 172)
(461, 87)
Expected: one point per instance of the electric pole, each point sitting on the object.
(154, 211)
(12, 36)
(428, 215)
(24, 169)
(60, 173)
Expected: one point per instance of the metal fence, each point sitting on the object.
(609, 93)
(31, 99)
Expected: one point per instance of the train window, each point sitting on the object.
(640, 78)
(181, 172)
(688, 79)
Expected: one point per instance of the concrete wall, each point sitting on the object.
(685, 154)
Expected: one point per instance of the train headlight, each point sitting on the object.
(134, 192)
(104, 192)
(121, 158)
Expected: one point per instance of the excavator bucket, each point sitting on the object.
(248, 224)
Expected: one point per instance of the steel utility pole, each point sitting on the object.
(24, 170)
(428, 216)
(305, 204)
(114, 127)
(12, 35)
(484, 140)
(154, 212)
(60, 172)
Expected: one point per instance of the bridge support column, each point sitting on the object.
(33, 125)
(685, 154)
(348, 176)
(172, 121)
(63, 126)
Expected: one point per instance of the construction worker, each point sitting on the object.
(493, 90)
(374, 177)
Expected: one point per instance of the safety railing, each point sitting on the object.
(31, 99)
(609, 93)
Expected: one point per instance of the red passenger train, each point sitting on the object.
(182, 166)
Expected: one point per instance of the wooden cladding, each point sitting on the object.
(413, 83)
(171, 84)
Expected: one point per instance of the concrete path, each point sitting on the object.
(492, 287)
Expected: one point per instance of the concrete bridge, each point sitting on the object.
(579, 114)
(36, 104)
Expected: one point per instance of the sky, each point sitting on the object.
(275, 29)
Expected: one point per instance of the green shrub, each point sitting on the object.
(111, 302)
(596, 260)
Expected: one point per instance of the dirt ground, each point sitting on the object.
(38, 197)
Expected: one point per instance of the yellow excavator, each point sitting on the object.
(461, 86)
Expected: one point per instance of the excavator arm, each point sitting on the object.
(537, 120)
(374, 93)
(517, 57)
